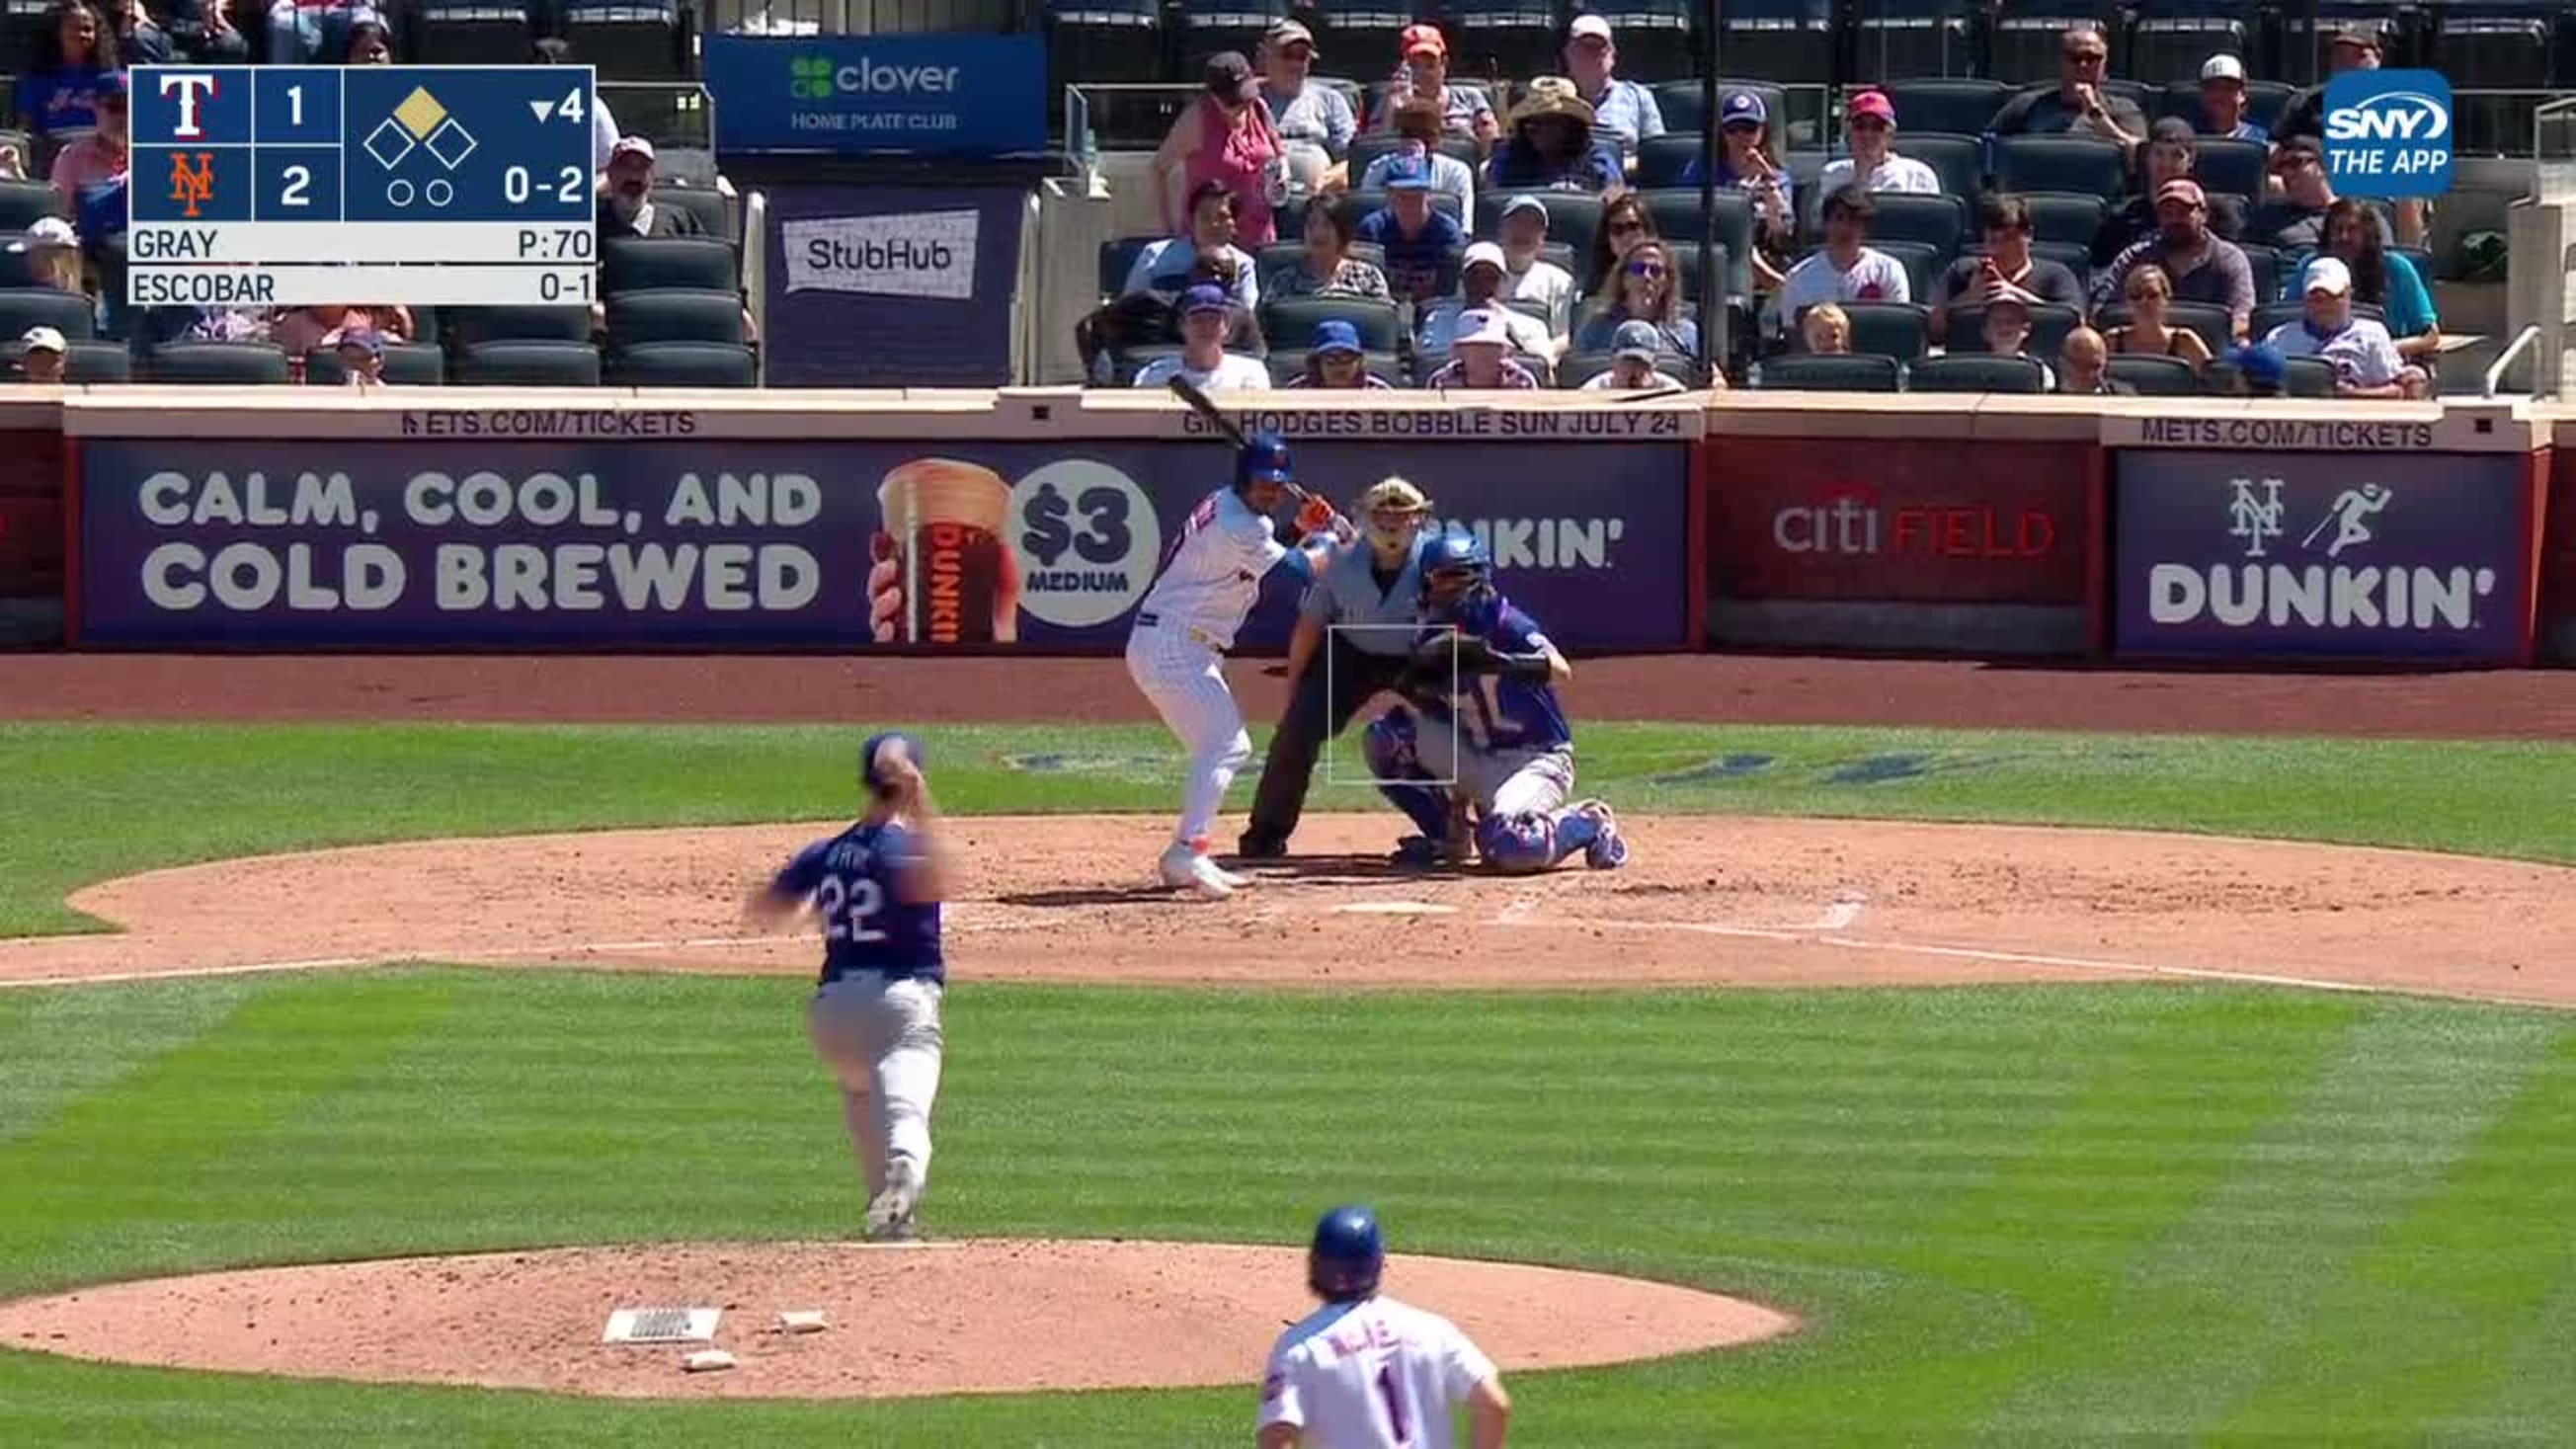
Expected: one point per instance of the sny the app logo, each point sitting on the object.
(192, 188)
(810, 77)
(2388, 133)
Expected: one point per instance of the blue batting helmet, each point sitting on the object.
(1263, 458)
(876, 780)
(1348, 1254)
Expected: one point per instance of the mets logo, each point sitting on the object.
(192, 188)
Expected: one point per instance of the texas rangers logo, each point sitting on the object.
(2351, 514)
(193, 91)
(2256, 517)
(192, 188)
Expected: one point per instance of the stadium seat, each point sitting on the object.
(1960, 161)
(1776, 40)
(525, 362)
(693, 167)
(1805, 372)
(1367, 147)
(2076, 257)
(2264, 101)
(1922, 262)
(673, 315)
(470, 32)
(1915, 38)
(217, 363)
(23, 203)
(1289, 323)
(470, 325)
(1662, 159)
(408, 364)
(2308, 377)
(87, 362)
(1679, 102)
(2057, 216)
(1939, 220)
(1975, 372)
(2023, 47)
(1889, 329)
(1658, 39)
(2213, 324)
(2049, 324)
(1959, 105)
(2265, 263)
(69, 313)
(1109, 42)
(1118, 258)
(636, 264)
(1357, 28)
(1208, 26)
(2231, 166)
(2154, 375)
(684, 364)
(709, 207)
(1677, 215)
(1505, 37)
(2076, 164)
(2171, 38)
(628, 40)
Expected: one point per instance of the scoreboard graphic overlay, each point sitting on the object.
(303, 185)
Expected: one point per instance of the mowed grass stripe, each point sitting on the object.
(2434, 1323)
(108, 1033)
(2374, 1131)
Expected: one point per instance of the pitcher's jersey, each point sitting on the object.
(1376, 1374)
(867, 926)
(1496, 714)
(1214, 576)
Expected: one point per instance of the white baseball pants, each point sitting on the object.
(881, 1039)
(1185, 680)
(1505, 782)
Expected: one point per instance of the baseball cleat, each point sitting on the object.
(1609, 849)
(1184, 867)
(890, 1213)
(1260, 847)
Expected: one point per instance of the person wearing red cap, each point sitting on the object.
(1464, 110)
(1873, 164)
(2205, 267)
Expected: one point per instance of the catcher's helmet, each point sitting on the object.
(1343, 1264)
(1457, 574)
(876, 780)
(1263, 458)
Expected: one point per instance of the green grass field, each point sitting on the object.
(2047, 1216)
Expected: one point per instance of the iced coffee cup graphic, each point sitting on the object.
(943, 571)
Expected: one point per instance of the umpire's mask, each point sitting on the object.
(1396, 511)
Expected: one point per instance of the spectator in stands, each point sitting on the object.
(2084, 367)
(1479, 357)
(1744, 164)
(371, 41)
(2223, 101)
(1648, 291)
(201, 31)
(2007, 268)
(1243, 334)
(1334, 361)
(300, 330)
(2078, 105)
(1480, 285)
(1623, 112)
(2202, 267)
(226, 324)
(1165, 265)
(2295, 219)
(2006, 326)
(1206, 316)
(2255, 370)
(307, 32)
(41, 352)
(1826, 330)
(361, 351)
(1846, 269)
(1225, 136)
(1635, 349)
(2362, 354)
(1315, 122)
(1873, 164)
(138, 40)
(1421, 243)
(1418, 122)
(2149, 293)
(75, 55)
(1625, 223)
(2172, 151)
(1552, 146)
(99, 157)
(627, 210)
(1326, 267)
(2384, 279)
(1424, 71)
(1528, 277)
(53, 253)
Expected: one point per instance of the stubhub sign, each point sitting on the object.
(859, 95)
(2388, 133)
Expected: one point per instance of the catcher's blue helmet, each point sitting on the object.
(1263, 458)
(1348, 1254)
(1457, 573)
(875, 779)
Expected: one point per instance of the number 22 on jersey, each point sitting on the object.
(849, 907)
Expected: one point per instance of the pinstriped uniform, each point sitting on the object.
(1176, 652)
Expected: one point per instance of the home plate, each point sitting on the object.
(1396, 908)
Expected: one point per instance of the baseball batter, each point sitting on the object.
(1367, 1372)
(874, 1016)
(1176, 652)
(1483, 732)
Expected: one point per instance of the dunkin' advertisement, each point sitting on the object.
(675, 544)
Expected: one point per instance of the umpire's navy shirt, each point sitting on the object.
(1349, 592)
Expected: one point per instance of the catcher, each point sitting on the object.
(1481, 733)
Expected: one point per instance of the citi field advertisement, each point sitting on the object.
(674, 545)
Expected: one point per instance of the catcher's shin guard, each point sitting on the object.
(1388, 746)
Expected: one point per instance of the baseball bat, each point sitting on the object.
(1227, 428)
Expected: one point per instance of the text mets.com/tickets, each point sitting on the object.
(550, 423)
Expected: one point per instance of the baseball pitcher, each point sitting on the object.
(1367, 1372)
(1176, 652)
(1372, 594)
(1482, 732)
(874, 1016)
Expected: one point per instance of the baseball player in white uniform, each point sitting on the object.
(1176, 651)
(1367, 1372)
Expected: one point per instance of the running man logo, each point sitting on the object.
(192, 188)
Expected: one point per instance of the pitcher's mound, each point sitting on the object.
(973, 1316)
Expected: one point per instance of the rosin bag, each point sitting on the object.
(951, 565)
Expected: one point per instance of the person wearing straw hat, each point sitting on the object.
(1553, 147)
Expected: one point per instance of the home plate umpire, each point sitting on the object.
(1354, 632)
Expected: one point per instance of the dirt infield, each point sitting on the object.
(979, 1316)
(1705, 901)
(1726, 689)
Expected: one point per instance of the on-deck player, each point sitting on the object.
(1176, 652)
(874, 1016)
(1483, 731)
(1367, 1371)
